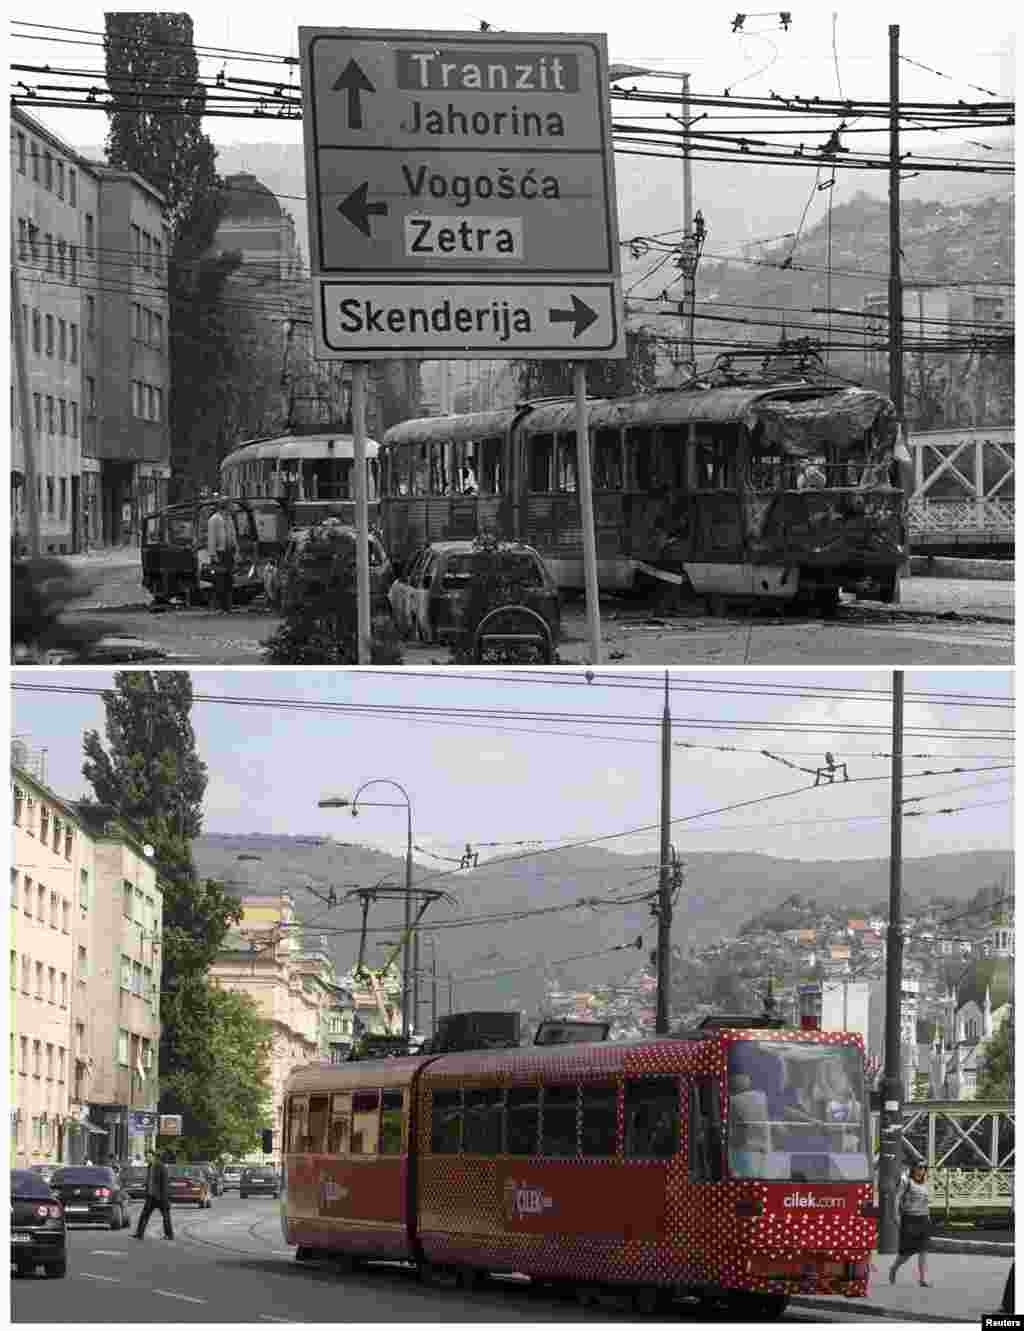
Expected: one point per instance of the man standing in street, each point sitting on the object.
(157, 1198)
(221, 542)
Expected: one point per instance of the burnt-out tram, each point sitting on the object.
(781, 489)
(728, 1163)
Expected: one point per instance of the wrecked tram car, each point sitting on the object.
(786, 489)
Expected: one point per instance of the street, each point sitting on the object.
(230, 1265)
(939, 621)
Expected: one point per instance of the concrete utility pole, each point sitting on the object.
(895, 275)
(891, 1118)
(664, 910)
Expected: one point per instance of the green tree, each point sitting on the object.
(156, 130)
(995, 1077)
(221, 1084)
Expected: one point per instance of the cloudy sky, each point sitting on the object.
(826, 47)
(548, 757)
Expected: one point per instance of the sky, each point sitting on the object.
(827, 48)
(547, 756)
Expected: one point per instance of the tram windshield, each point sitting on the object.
(797, 1111)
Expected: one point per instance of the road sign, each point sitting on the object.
(478, 168)
(170, 1125)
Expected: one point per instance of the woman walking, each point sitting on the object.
(915, 1224)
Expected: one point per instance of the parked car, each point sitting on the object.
(133, 1180)
(189, 1185)
(39, 1234)
(259, 1181)
(231, 1177)
(213, 1174)
(92, 1195)
(431, 597)
(175, 561)
(305, 568)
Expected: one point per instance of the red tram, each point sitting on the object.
(729, 1162)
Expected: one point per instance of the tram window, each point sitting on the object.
(482, 1131)
(639, 450)
(559, 1121)
(541, 454)
(297, 1111)
(341, 1120)
(607, 460)
(391, 1123)
(419, 481)
(316, 1124)
(522, 1120)
(565, 479)
(652, 1118)
(365, 1122)
(697, 1137)
(673, 440)
(600, 1120)
(710, 1109)
(488, 466)
(446, 1122)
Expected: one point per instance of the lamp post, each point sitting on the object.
(343, 802)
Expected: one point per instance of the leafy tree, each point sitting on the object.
(995, 1078)
(221, 1084)
(156, 130)
(605, 378)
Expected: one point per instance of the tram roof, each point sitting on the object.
(456, 429)
(308, 447)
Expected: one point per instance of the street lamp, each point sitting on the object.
(344, 802)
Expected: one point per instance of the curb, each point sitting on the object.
(974, 1247)
(952, 566)
(858, 1308)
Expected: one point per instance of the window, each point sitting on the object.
(365, 1122)
(14, 889)
(51, 992)
(54, 911)
(23, 1055)
(49, 1062)
(341, 1119)
(90, 234)
(73, 263)
(126, 907)
(316, 1124)
(158, 406)
(60, 179)
(391, 1123)
(39, 979)
(137, 243)
(19, 805)
(65, 925)
(74, 419)
(72, 186)
(599, 1113)
(149, 326)
(63, 988)
(136, 398)
(445, 1122)
(147, 1055)
(69, 841)
(83, 889)
(14, 970)
(50, 492)
(48, 170)
(158, 251)
(90, 315)
(651, 1115)
(298, 1109)
(41, 904)
(62, 339)
(22, 239)
(83, 964)
(90, 393)
(21, 153)
(51, 428)
(150, 403)
(558, 1121)
(26, 975)
(122, 1048)
(126, 972)
(49, 334)
(484, 1109)
(61, 1052)
(136, 321)
(522, 1120)
(37, 1058)
(158, 330)
(147, 984)
(137, 978)
(33, 241)
(37, 332)
(28, 897)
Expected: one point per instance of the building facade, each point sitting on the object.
(92, 359)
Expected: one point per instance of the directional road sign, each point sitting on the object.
(461, 194)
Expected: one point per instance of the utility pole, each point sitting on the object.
(664, 907)
(415, 980)
(895, 276)
(891, 1118)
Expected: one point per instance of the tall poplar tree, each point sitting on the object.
(156, 131)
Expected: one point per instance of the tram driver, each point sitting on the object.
(749, 1129)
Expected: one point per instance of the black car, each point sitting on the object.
(39, 1234)
(133, 1181)
(92, 1195)
(259, 1181)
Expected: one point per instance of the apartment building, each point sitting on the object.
(91, 263)
(85, 979)
(52, 192)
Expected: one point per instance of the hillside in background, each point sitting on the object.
(720, 893)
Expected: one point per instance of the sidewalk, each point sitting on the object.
(962, 595)
(963, 1286)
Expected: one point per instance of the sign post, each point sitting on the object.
(462, 205)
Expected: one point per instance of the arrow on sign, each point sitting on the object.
(358, 211)
(581, 316)
(354, 81)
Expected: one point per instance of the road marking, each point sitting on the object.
(114, 1280)
(268, 1317)
(107, 1252)
(170, 1294)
